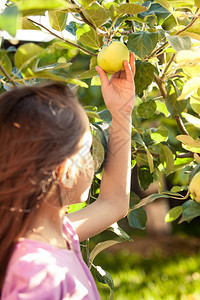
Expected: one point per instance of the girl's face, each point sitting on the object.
(80, 171)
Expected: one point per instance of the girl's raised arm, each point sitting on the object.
(113, 201)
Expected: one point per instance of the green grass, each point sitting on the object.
(155, 277)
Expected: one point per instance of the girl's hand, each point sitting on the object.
(119, 91)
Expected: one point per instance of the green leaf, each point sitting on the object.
(144, 76)
(105, 115)
(96, 14)
(98, 152)
(85, 3)
(182, 4)
(197, 3)
(150, 199)
(26, 53)
(137, 218)
(173, 214)
(169, 23)
(150, 160)
(167, 156)
(189, 143)
(28, 25)
(105, 277)
(155, 9)
(190, 210)
(100, 247)
(5, 63)
(88, 74)
(75, 207)
(179, 43)
(89, 37)
(9, 20)
(142, 43)
(145, 177)
(147, 109)
(25, 5)
(165, 4)
(130, 8)
(51, 76)
(191, 119)
(190, 87)
(120, 232)
(174, 106)
(57, 19)
(194, 172)
(160, 134)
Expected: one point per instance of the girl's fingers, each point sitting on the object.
(128, 71)
(103, 78)
(132, 63)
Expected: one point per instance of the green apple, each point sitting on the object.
(194, 187)
(111, 57)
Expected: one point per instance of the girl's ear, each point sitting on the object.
(65, 175)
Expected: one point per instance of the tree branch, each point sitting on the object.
(7, 75)
(157, 155)
(83, 17)
(160, 86)
(180, 125)
(167, 66)
(61, 38)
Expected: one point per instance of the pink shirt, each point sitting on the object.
(38, 271)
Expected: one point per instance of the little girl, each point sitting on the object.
(46, 165)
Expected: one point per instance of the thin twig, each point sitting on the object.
(159, 82)
(66, 41)
(180, 124)
(167, 66)
(7, 75)
(83, 17)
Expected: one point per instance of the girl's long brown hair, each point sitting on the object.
(39, 127)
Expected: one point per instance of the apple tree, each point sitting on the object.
(165, 38)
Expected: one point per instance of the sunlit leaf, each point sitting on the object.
(100, 247)
(57, 19)
(190, 210)
(26, 53)
(160, 134)
(88, 37)
(191, 119)
(130, 8)
(28, 25)
(168, 158)
(5, 62)
(88, 74)
(44, 4)
(179, 43)
(120, 232)
(190, 87)
(173, 214)
(105, 277)
(96, 14)
(9, 20)
(150, 160)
